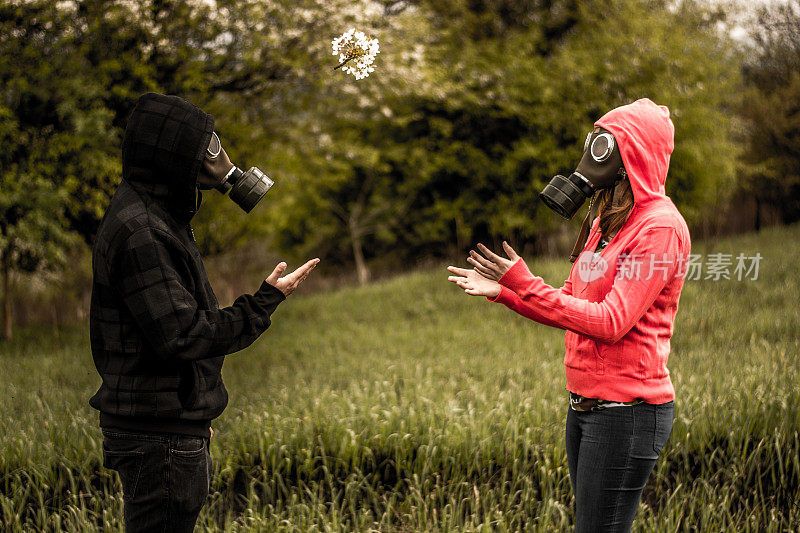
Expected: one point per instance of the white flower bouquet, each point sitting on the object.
(356, 53)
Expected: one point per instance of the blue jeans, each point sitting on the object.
(165, 478)
(610, 455)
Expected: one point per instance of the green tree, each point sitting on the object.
(477, 104)
(58, 157)
(474, 106)
(32, 223)
(338, 190)
(771, 107)
(675, 55)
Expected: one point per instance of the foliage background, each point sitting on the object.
(475, 105)
(420, 419)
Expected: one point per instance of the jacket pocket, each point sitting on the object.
(128, 464)
(189, 388)
(599, 358)
(582, 353)
(189, 475)
(664, 414)
(202, 388)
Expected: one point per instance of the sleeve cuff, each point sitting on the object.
(517, 277)
(505, 297)
(268, 297)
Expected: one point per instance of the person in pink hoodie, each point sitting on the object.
(618, 308)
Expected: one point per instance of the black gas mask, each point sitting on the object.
(217, 171)
(599, 168)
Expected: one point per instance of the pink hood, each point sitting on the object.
(645, 135)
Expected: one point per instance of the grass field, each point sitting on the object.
(408, 406)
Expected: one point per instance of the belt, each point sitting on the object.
(583, 404)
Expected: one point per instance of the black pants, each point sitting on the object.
(165, 478)
(610, 455)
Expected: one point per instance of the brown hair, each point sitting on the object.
(612, 216)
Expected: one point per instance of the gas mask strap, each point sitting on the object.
(613, 192)
(583, 236)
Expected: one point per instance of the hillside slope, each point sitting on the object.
(406, 405)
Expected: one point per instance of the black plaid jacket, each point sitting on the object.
(158, 335)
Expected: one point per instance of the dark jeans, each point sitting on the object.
(165, 478)
(610, 455)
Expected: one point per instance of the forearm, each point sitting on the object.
(512, 300)
(215, 332)
(248, 318)
(606, 321)
(547, 305)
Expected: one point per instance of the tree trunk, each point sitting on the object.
(460, 244)
(758, 214)
(358, 253)
(7, 318)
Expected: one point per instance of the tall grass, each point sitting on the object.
(407, 406)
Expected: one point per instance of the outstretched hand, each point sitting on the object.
(473, 283)
(288, 283)
(490, 265)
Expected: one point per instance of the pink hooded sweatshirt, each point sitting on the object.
(619, 308)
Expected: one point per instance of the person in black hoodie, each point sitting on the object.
(158, 336)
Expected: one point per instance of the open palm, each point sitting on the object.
(474, 283)
(489, 264)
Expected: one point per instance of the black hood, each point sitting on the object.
(164, 146)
